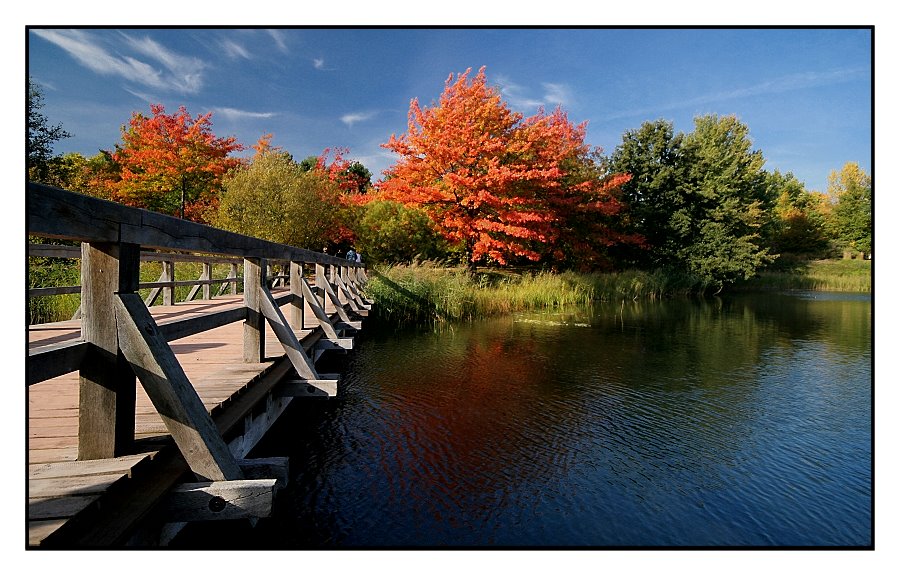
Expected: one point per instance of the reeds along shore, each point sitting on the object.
(426, 293)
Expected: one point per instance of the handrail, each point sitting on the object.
(60, 214)
(121, 339)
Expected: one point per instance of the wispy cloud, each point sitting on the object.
(279, 39)
(350, 119)
(778, 85)
(178, 73)
(520, 96)
(234, 50)
(234, 114)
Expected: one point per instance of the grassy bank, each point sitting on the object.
(53, 272)
(848, 275)
(427, 294)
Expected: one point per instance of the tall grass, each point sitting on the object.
(848, 275)
(55, 272)
(428, 293)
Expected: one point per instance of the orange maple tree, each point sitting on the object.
(502, 186)
(172, 163)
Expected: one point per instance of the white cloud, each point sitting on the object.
(234, 114)
(319, 63)
(350, 119)
(779, 85)
(519, 96)
(179, 73)
(557, 94)
(280, 42)
(234, 50)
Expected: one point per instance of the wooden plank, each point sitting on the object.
(68, 485)
(106, 385)
(323, 320)
(122, 464)
(254, 324)
(194, 325)
(51, 361)
(222, 500)
(171, 393)
(323, 387)
(38, 531)
(338, 305)
(276, 467)
(54, 212)
(286, 336)
(53, 508)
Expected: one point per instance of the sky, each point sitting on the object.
(805, 93)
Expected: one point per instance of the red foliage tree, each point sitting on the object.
(503, 186)
(172, 163)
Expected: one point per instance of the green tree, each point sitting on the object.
(850, 192)
(657, 197)
(733, 202)
(390, 232)
(41, 136)
(274, 199)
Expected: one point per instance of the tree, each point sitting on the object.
(732, 199)
(657, 197)
(800, 219)
(172, 163)
(274, 199)
(390, 232)
(491, 180)
(41, 136)
(850, 192)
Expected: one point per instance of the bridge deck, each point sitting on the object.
(60, 488)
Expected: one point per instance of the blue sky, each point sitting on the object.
(804, 93)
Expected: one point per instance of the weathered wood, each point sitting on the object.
(57, 213)
(52, 361)
(276, 467)
(223, 500)
(47, 291)
(341, 312)
(341, 344)
(106, 385)
(122, 464)
(254, 324)
(297, 305)
(55, 508)
(323, 320)
(321, 388)
(187, 327)
(286, 336)
(171, 393)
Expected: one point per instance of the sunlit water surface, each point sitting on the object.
(743, 421)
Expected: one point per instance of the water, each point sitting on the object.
(735, 422)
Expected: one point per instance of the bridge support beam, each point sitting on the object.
(107, 387)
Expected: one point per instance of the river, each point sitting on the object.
(742, 421)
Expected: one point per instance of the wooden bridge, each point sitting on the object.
(112, 463)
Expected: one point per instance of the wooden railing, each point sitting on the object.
(121, 343)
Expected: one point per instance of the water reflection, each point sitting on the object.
(726, 422)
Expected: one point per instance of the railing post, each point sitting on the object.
(320, 281)
(107, 385)
(296, 289)
(233, 275)
(168, 292)
(254, 326)
(207, 274)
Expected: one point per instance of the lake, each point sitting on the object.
(741, 421)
